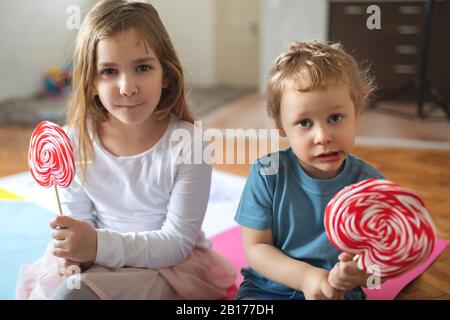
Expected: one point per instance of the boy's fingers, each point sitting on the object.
(348, 268)
(338, 282)
(343, 286)
(344, 256)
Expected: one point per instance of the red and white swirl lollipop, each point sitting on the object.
(386, 225)
(50, 157)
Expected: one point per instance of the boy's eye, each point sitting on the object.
(336, 118)
(143, 68)
(109, 71)
(306, 123)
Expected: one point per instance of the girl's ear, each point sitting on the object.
(94, 91)
(165, 83)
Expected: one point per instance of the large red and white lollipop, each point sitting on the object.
(386, 225)
(50, 157)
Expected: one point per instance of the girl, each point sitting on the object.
(134, 211)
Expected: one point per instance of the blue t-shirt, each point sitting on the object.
(292, 204)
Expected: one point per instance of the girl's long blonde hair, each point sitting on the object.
(108, 18)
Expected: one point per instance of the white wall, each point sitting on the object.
(191, 25)
(237, 45)
(34, 37)
(283, 21)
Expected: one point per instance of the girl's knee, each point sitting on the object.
(67, 291)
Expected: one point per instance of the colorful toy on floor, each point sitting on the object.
(57, 80)
(386, 225)
(50, 157)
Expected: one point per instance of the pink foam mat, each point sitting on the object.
(229, 244)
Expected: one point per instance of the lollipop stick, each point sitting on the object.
(57, 197)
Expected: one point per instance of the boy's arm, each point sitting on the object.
(273, 264)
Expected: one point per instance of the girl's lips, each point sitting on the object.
(130, 106)
(330, 157)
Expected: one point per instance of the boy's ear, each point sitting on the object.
(358, 116)
(281, 131)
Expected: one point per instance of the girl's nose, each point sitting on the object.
(322, 135)
(128, 86)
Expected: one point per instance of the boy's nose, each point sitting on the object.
(128, 87)
(322, 136)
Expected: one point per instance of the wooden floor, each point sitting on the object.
(426, 171)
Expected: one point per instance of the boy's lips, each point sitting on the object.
(329, 156)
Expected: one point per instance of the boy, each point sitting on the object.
(315, 95)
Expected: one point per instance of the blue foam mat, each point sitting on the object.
(24, 235)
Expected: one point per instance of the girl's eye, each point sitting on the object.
(306, 123)
(336, 118)
(109, 72)
(143, 68)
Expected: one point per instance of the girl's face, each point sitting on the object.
(129, 79)
(320, 126)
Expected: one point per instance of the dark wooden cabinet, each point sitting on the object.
(393, 52)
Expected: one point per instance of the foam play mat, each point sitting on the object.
(26, 208)
(24, 234)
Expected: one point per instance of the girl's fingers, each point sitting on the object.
(60, 221)
(58, 244)
(60, 234)
(60, 253)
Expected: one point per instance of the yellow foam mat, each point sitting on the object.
(6, 195)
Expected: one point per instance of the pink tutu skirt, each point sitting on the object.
(204, 275)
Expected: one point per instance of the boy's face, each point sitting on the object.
(320, 126)
(129, 78)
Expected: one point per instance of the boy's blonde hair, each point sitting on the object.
(312, 65)
(106, 19)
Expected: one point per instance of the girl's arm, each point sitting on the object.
(273, 264)
(76, 203)
(177, 237)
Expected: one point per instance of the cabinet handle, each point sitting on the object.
(409, 10)
(406, 49)
(408, 29)
(405, 68)
(354, 10)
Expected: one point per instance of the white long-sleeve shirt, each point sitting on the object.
(148, 210)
